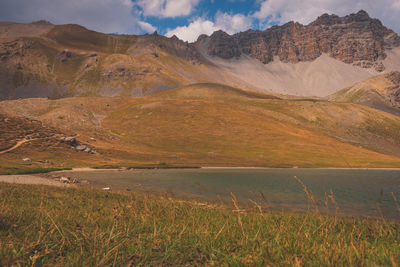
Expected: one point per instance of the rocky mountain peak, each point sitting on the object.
(223, 45)
(174, 38)
(220, 34)
(355, 39)
(332, 19)
(326, 19)
(361, 15)
(202, 37)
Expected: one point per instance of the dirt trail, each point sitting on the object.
(18, 144)
(30, 179)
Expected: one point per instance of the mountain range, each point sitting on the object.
(326, 94)
(45, 60)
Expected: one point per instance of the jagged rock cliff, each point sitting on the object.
(394, 91)
(356, 39)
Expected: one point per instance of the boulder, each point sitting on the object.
(65, 180)
(81, 147)
(71, 140)
(379, 67)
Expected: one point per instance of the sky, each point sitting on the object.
(187, 19)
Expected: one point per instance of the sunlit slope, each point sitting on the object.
(252, 130)
(212, 91)
(380, 92)
(218, 125)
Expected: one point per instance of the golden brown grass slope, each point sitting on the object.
(216, 125)
(27, 145)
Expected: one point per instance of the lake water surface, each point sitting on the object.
(366, 193)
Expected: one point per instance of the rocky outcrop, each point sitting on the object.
(223, 45)
(173, 46)
(394, 77)
(394, 91)
(71, 140)
(356, 39)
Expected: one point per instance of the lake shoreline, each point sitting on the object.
(88, 169)
(299, 168)
(31, 179)
(272, 187)
(356, 191)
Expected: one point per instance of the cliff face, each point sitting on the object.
(394, 91)
(356, 39)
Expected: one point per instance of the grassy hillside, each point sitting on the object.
(224, 126)
(39, 145)
(215, 125)
(380, 92)
(70, 60)
(59, 226)
(78, 37)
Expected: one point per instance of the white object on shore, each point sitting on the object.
(64, 180)
(26, 159)
(107, 188)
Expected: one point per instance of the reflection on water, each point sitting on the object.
(349, 192)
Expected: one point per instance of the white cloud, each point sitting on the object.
(223, 21)
(233, 23)
(147, 27)
(191, 32)
(100, 15)
(167, 8)
(305, 11)
(396, 4)
(282, 11)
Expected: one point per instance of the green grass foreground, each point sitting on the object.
(42, 225)
(31, 170)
